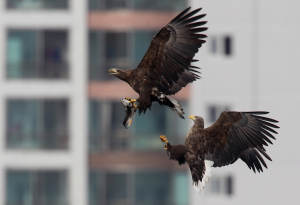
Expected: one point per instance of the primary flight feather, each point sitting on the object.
(166, 67)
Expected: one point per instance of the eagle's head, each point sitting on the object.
(198, 120)
(118, 73)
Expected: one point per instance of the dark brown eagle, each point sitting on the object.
(234, 135)
(166, 66)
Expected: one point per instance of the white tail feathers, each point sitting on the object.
(207, 174)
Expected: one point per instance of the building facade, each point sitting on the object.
(250, 63)
(62, 140)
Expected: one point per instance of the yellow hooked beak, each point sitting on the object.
(192, 117)
(112, 71)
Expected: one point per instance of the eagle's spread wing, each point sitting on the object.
(167, 62)
(239, 135)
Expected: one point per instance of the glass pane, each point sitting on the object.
(55, 62)
(37, 4)
(213, 45)
(152, 188)
(181, 188)
(166, 5)
(142, 40)
(116, 45)
(229, 184)
(227, 45)
(19, 188)
(96, 71)
(94, 125)
(34, 124)
(149, 126)
(55, 124)
(93, 5)
(55, 4)
(215, 185)
(51, 187)
(212, 113)
(115, 4)
(94, 188)
(21, 54)
(116, 188)
(22, 126)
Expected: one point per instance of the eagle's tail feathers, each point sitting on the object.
(176, 106)
(201, 184)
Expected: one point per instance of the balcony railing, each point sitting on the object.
(48, 70)
(37, 141)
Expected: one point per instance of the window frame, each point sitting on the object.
(64, 140)
(40, 61)
(8, 7)
(35, 176)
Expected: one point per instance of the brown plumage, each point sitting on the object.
(234, 135)
(166, 66)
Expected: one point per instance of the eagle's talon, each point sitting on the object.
(163, 138)
(165, 147)
(135, 106)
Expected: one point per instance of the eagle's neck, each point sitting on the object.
(125, 75)
(198, 126)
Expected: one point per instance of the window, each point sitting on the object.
(37, 124)
(36, 187)
(37, 54)
(152, 188)
(227, 45)
(214, 112)
(37, 4)
(142, 187)
(220, 45)
(116, 191)
(108, 50)
(107, 132)
(122, 50)
(220, 186)
(166, 5)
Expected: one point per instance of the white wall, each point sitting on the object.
(261, 75)
(74, 160)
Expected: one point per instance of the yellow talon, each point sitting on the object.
(132, 101)
(164, 139)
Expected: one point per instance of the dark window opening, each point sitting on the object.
(215, 112)
(37, 124)
(37, 4)
(229, 183)
(36, 187)
(37, 54)
(227, 45)
(165, 5)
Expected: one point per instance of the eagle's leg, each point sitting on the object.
(163, 138)
(133, 102)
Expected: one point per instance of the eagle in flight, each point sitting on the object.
(234, 135)
(166, 67)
